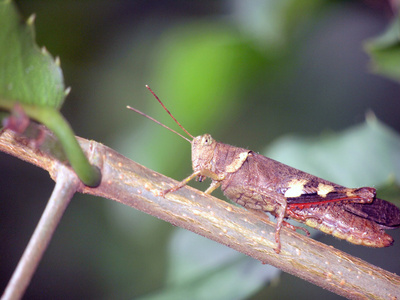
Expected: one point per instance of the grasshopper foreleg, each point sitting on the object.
(214, 185)
(180, 184)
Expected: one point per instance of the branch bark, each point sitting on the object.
(134, 185)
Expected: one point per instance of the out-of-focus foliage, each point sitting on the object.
(349, 158)
(385, 51)
(203, 269)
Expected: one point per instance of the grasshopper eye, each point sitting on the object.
(207, 139)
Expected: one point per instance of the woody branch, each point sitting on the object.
(134, 185)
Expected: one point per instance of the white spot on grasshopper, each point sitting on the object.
(237, 163)
(324, 189)
(295, 189)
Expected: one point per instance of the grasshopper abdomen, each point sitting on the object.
(260, 183)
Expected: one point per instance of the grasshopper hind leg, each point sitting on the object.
(280, 222)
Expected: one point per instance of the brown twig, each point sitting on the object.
(134, 185)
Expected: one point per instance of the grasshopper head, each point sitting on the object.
(203, 147)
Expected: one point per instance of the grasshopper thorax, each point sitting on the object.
(203, 149)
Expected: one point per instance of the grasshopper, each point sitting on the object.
(259, 183)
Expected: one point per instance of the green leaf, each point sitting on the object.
(203, 269)
(28, 74)
(364, 155)
(385, 52)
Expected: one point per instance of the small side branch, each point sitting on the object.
(65, 188)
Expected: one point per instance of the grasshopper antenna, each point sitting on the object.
(162, 104)
(158, 122)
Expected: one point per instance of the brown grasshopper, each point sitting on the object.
(262, 184)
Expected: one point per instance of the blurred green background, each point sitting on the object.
(246, 72)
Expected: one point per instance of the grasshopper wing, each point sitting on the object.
(380, 211)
